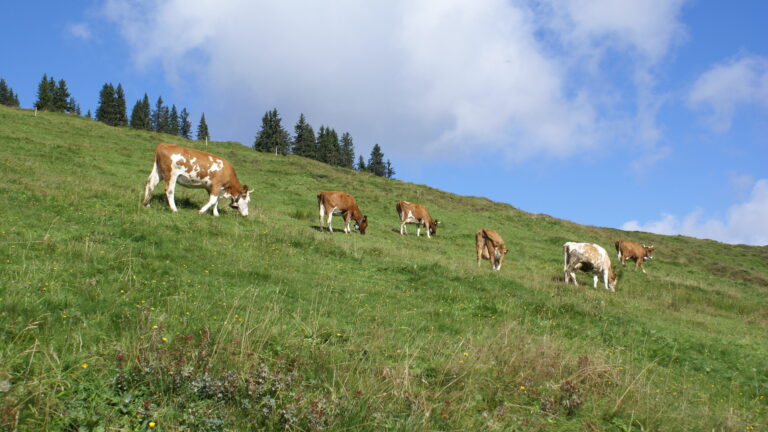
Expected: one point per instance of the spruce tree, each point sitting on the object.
(105, 112)
(88, 114)
(173, 121)
(376, 164)
(361, 164)
(44, 95)
(185, 127)
(202, 129)
(304, 140)
(121, 115)
(138, 121)
(328, 148)
(347, 151)
(390, 172)
(146, 113)
(60, 99)
(272, 137)
(7, 97)
(157, 115)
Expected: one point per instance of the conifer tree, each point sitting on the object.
(105, 112)
(202, 129)
(376, 164)
(328, 148)
(272, 137)
(185, 127)
(304, 140)
(347, 159)
(60, 99)
(146, 113)
(139, 115)
(121, 115)
(173, 121)
(361, 164)
(7, 97)
(390, 172)
(88, 114)
(157, 115)
(44, 95)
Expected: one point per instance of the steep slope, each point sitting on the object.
(117, 315)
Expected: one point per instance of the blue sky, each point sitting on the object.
(639, 115)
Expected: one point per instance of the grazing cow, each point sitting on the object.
(489, 245)
(196, 169)
(588, 257)
(331, 202)
(636, 252)
(416, 214)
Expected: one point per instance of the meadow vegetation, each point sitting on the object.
(118, 317)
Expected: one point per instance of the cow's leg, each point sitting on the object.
(322, 216)
(427, 228)
(595, 279)
(402, 228)
(330, 216)
(213, 200)
(418, 230)
(152, 181)
(170, 188)
(347, 219)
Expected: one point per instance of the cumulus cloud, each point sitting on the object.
(441, 76)
(722, 89)
(79, 30)
(745, 223)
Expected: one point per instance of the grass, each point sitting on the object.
(113, 316)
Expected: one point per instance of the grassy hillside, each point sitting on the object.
(119, 317)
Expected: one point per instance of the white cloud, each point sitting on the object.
(439, 76)
(722, 89)
(745, 223)
(79, 30)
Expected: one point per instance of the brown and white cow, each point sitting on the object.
(416, 214)
(196, 169)
(636, 252)
(331, 202)
(489, 245)
(588, 257)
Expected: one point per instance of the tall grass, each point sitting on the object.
(115, 316)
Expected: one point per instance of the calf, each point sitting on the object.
(490, 245)
(636, 252)
(196, 169)
(588, 257)
(331, 202)
(416, 214)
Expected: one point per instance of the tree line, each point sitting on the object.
(325, 146)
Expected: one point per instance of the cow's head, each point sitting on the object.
(648, 252)
(240, 202)
(500, 256)
(613, 280)
(433, 227)
(362, 224)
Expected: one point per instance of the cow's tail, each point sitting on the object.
(618, 248)
(322, 210)
(565, 257)
(399, 210)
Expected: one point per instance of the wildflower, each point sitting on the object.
(466, 354)
(151, 424)
(165, 339)
(84, 365)
(154, 326)
(522, 387)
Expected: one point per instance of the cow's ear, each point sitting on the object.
(437, 222)
(364, 219)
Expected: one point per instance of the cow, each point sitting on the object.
(196, 169)
(489, 245)
(416, 214)
(331, 202)
(636, 252)
(588, 257)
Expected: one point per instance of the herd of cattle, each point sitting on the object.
(197, 169)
